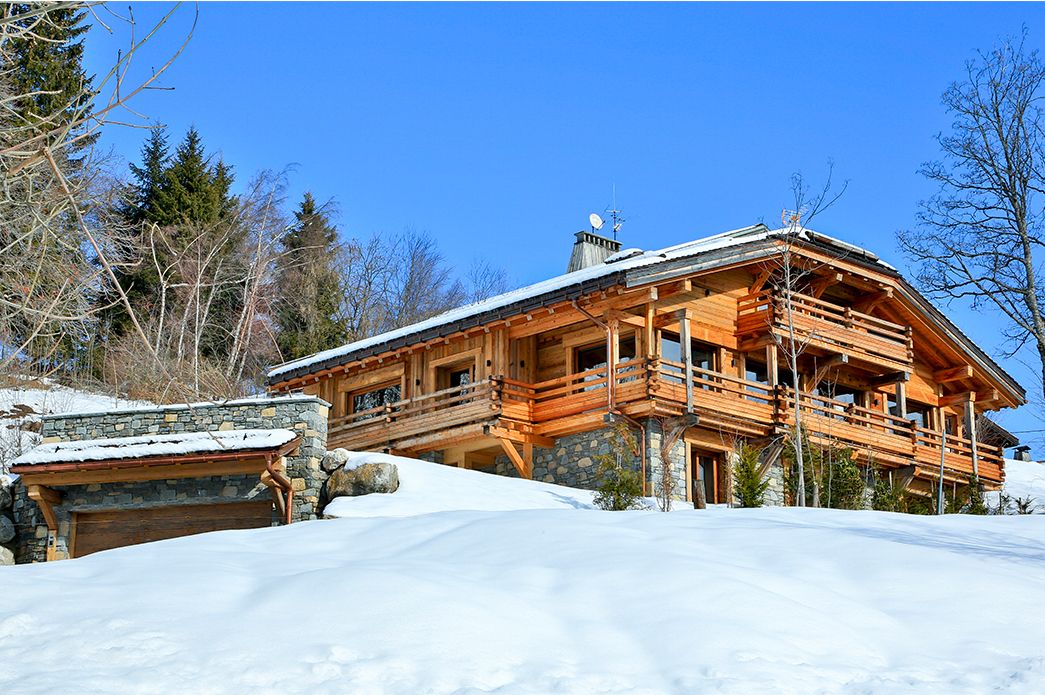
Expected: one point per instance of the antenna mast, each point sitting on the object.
(615, 215)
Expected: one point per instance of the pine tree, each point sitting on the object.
(310, 286)
(149, 176)
(748, 480)
(48, 65)
(191, 191)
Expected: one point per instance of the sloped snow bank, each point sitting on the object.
(425, 488)
(541, 600)
(1026, 480)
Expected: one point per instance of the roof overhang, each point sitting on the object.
(145, 468)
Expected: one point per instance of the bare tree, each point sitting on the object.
(980, 236)
(54, 243)
(792, 273)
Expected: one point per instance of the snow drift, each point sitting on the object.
(537, 593)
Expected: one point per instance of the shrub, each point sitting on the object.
(843, 484)
(749, 480)
(975, 504)
(620, 486)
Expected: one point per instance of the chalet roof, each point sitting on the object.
(179, 444)
(630, 267)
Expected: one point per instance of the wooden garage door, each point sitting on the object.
(95, 531)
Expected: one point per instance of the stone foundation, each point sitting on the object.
(306, 415)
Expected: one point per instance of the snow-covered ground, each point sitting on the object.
(462, 582)
(1025, 480)
(22, 405)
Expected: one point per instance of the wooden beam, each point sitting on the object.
(890, 378)
(524, 468)
(961, 397)
(823, 369)
(944, 376)
(760, 280)
(820, 285)
(866, 304)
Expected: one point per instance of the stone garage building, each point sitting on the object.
(105, 480)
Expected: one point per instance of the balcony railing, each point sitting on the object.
(827, 326)
(643, 388)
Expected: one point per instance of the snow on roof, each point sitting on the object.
(260, 399)
(178, 444)
(614, 264)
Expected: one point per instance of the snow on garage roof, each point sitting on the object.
(178, 444)
(619, 263)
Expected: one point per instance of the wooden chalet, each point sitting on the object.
(695, 330)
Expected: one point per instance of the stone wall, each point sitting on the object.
(306, 415)
(573, 461)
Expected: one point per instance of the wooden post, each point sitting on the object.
(612, 357)
(46, 498)
(901, 398)
(686, 347)
(772, 368)
(970, 420)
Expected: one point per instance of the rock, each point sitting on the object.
(334, 459)
(7, 529)
(364, 480)
(6, 496)
(7, 557)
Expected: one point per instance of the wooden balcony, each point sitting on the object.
(644, 388)
(826, 328)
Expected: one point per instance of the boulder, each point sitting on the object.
(7, 529)
(7, 556)
(365, 479)
(334, 459)
(6, 496)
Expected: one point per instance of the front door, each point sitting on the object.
(707, 476)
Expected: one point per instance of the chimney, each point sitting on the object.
(591, 249)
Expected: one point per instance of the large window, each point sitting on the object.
(594, 356)
(701, 354)
(374, 398)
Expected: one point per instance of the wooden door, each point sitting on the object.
(96, 531)
(706, 472)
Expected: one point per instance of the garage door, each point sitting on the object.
(95, 531)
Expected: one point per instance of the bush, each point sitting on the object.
(749, 481)
(620, 486)
(843, 483)
(975, 504)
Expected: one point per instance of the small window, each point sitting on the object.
(460, 377)
(701, 354)
(756, 371)
(375, 398)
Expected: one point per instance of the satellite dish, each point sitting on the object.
(596, 221)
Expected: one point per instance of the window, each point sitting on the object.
(375, 398)
(460, 377)
(845, 395)
(701, 354)
(594, 356)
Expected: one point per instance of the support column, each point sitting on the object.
(901, 398)
(686, 348)
(970, 424)
(772, 365)
(46, 498)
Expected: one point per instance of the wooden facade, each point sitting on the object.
(880, 371)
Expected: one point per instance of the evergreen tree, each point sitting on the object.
(748, 481)
(48, 65)
(149, 176)
(310, 286)
(191, 191)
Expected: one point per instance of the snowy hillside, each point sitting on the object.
(22, 405)
(540, 594)
(1026, 480)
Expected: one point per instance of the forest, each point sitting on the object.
(176, 276)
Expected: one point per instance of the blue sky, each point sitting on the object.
(499, 127)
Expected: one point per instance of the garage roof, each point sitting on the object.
(178, 444)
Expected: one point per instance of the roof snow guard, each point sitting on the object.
(631, 267)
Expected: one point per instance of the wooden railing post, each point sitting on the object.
(686, 347)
